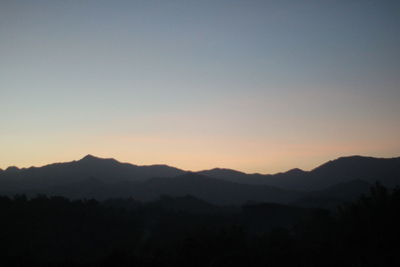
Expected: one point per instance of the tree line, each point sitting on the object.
(56, 231)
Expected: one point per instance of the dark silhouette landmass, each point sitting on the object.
(100, 212)
(344, 169)
(187, 231)
(91, 177)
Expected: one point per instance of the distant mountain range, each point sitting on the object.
(341, 170)
(334, 181)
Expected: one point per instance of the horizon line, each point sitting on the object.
(194, 171)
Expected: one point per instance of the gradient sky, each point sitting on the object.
(255, 85)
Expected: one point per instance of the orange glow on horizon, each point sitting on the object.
(251, 156)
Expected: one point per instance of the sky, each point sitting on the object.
(254, 85)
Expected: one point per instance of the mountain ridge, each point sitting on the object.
(90, 157)
(106, 177)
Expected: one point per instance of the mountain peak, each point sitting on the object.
(89, 157)
(295, 171)
(221, 172)
(12, 169)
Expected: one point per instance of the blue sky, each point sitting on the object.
(260, 86)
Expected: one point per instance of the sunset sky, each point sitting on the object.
(254, 85)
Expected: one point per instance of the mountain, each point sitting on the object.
(229, 175)
(60, 174)
(100, 178)
(215, 190)
(341, 170)
(369, 169)
(212, 190)
(285, 179)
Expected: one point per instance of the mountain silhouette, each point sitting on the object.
(369, 169)
(283, 180)
(214, 190)
(102, 178)
(59, 174)
(341, 170)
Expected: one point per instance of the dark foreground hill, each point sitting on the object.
(186, 231)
